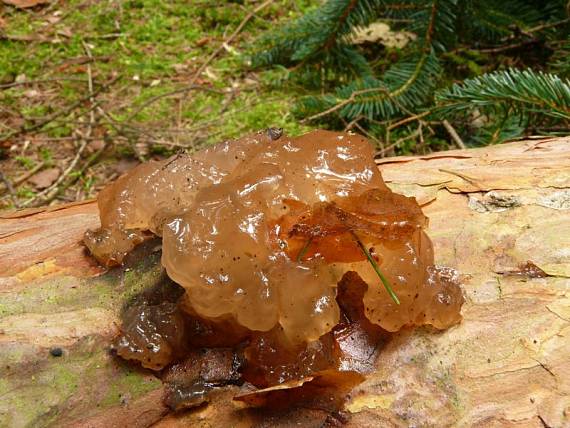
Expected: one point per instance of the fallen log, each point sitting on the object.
(500, 215)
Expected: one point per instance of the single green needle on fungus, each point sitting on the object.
(377, 269)
(304, 250)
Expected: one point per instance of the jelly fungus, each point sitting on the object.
(260, 232)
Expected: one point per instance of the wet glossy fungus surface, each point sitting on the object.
(268, 235)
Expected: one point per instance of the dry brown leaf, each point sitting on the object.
(45, 178)
(65, 32)
(25, 4)
(95, 145)
(325, 389)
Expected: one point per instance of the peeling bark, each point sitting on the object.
(491, 211)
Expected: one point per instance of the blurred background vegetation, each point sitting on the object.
(90, 88)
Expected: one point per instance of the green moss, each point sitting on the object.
(60, 294)
(128, 386)
(42, 390)
(33, 400)
(26, 162)
(4, 386)
(25, 192)
(445, 382)
(80, 376)
(64, 379)
(147, 41)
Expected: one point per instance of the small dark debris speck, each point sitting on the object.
(56, 352)
(274, 133)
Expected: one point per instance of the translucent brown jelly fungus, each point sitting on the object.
(259, 231)
(190, 382)
(152, 335)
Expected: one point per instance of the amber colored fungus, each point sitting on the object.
(268, 235)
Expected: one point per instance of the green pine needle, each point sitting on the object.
(304, 249)
(349, 82)
(377, 269)
(515, 92)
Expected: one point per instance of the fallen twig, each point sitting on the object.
(34, 82)
(185, 89)
(453, 134)
(90, 161)
(90, 87)
(23, 177)
(227, 41)
(409, 119)
(10, 188)
(354, 123)
(58, 113)
(414, 134)
(49, 193)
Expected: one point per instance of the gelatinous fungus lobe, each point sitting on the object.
(259, 232)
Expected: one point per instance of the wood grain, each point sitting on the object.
(506, 365)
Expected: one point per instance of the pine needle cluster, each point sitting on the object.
(495, 70)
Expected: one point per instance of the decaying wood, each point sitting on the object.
(491, 210)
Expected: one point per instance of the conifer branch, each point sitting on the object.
(347, 82)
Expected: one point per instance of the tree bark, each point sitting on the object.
(507, 364)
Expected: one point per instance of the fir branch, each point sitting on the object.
(315, 33)
(354, 84)
(406, 85)
(512, 91)
(339, 24)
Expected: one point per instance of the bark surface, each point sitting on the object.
(491, 210)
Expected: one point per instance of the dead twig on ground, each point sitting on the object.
(453, 134)
(55, 115)
(408, 119)
(86, 165)
(227, 102)
(369, 135)
(51, 192)
(354, 124)
(10, 188)
(422, 145)
(48, 194)
(183, 90)
(227, 41)
(413, 135)
(38, 81)
(21, 179)
(90, 88)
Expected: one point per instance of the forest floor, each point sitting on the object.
(90, 88)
